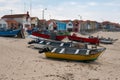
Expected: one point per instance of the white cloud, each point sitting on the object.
(111, 4)
(2, 0)
(73, 3)
(9, 1)
(92, 4)
(68, 10)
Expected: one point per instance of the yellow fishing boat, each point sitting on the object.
(73, 53)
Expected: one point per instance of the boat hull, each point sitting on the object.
(73, 38)
(41, 35)
(81, 39)
(106, 42)
(74, 57)
(9, 33)
(60, 37)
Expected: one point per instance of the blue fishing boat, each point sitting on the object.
(9, 32)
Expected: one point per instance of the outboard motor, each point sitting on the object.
(31, 42)
(34, 41)
(44, 50)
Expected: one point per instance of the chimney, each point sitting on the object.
(27, 12)
(27, 16)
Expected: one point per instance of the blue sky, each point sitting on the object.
(98, 10)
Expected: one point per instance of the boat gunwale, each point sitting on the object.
(100, 50)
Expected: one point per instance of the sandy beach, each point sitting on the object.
(18, 62)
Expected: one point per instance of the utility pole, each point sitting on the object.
(11, 11)
(43, 11)
(49, 16)
(30, 7)
(80, 17)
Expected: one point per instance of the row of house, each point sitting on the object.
(16, 20)
(76, 25)
(80, 25)
(110, 26)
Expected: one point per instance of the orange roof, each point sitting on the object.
(66, 21)
(106, 22)
(15, 16)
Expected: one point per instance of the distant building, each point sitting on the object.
(52, 25)
(106, 25)
(22, 19)
(43, 24)
(76, 26)
(69, 25)
(34, 22)
(89, 26)
(110, 26)
(61, 26)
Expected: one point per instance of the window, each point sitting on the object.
(0, 25)
(69, 24)
(76, 23)
(4, 25)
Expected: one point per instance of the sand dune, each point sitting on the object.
(18, 62)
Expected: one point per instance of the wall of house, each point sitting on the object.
(19, 20)
(76, 26)
(13, 24)
(25, 23)
(69, 25)
(50, 26)
(89, 26)
(3, 24)
(61, 26)
(82, 26)
(34, 21)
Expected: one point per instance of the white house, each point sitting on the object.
(50, 26)
(69, 26)
(34, 21)
(23, 19)
(3, 24)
